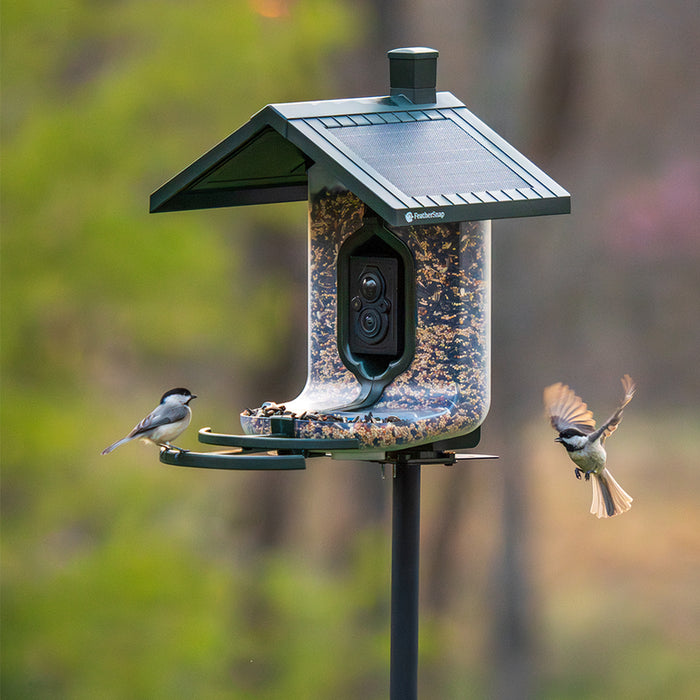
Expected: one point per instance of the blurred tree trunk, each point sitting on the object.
(441, 568)
(273, 253)
(550, 78)
(513, 672)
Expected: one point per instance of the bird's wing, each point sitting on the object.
(566, 410)
(161, 415)
(610, 425)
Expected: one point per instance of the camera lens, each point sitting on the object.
(370, 323)
(370, 286)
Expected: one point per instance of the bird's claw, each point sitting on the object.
(579, 473)
(175, 448)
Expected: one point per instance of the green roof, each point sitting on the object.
(409, 163)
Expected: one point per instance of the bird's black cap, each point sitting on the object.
(179, 390)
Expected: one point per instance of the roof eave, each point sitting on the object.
(172, 195)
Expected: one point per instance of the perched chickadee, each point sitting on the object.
(574, 422)
(164, 423)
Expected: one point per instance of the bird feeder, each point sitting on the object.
(401, 192)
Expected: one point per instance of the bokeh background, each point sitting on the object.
(125, 578)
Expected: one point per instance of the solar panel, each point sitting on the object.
(429, 157)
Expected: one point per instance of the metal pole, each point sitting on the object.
(405, 538)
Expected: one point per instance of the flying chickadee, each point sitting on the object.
(574, 422)
(164, 423)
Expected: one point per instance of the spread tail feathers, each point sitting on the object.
(609, 498)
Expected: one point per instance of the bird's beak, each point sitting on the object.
(558, 439)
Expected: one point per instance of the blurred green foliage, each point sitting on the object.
(113, 585)
(101, 104)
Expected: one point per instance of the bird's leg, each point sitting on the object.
(587, 475)
(168, 446)
(578, 472)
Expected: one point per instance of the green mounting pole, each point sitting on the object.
(405, 540)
